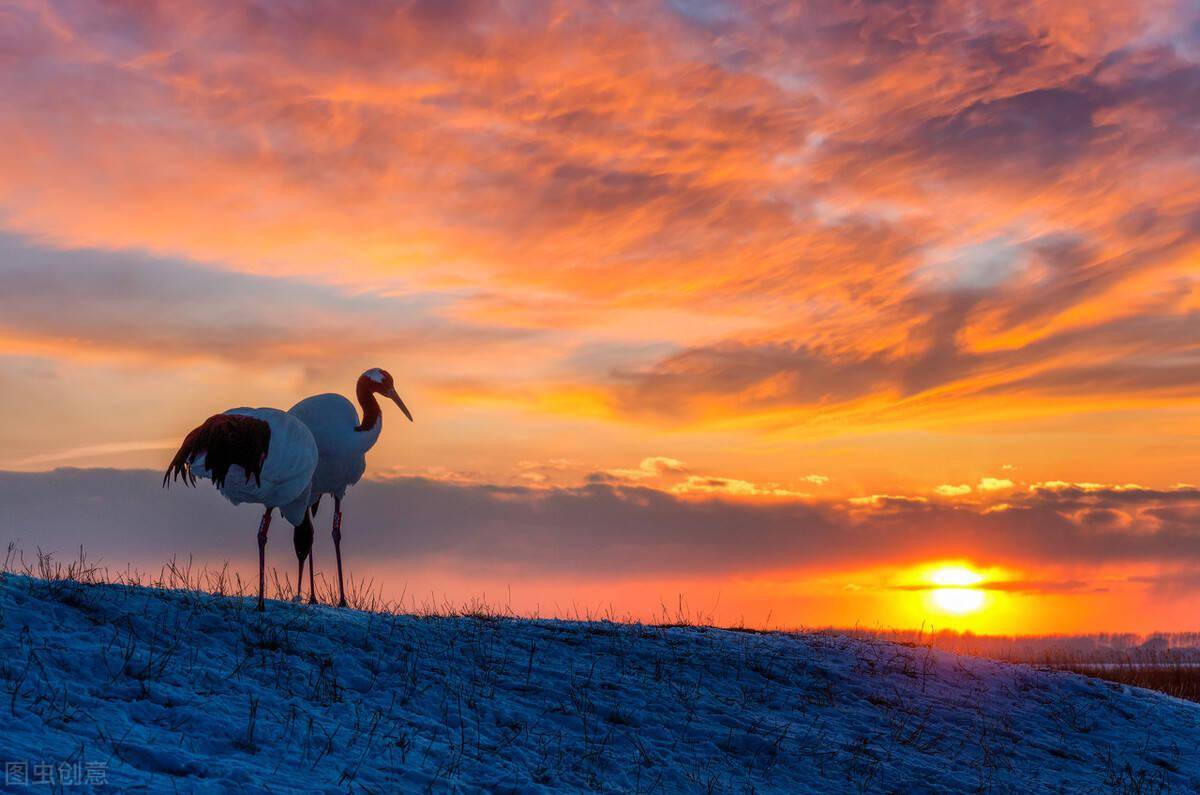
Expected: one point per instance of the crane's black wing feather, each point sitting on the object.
(224, 440)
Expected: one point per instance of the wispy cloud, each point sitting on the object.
(611, 529)
(652, 467)
(948, 490)
(168, 311)
(92, 450)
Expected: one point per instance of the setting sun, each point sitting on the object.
(958, 600)
(955, 594)
(955, 577)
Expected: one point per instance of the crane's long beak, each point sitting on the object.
(396, 399)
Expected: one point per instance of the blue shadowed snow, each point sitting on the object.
(173, 689)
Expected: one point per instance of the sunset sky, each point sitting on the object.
(784, 307)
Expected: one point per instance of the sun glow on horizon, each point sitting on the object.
(957, 600)
(955, 593)
(955, 576)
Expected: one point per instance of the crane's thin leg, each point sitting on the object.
(262, 556)
(300, 582)
(337, 547)
(312, 564)
(312, 585)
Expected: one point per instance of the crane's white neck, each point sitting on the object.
(372, 417)
(369, 429)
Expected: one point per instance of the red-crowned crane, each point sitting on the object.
(262, 456)
(342, 442)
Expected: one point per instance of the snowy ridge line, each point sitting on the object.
(180, 689)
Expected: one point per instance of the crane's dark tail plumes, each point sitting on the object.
(224, 440)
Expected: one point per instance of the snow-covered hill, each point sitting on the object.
(132, 688)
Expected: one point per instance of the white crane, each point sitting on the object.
(262, 456)
(342, 442)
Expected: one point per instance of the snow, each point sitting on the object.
(161, 689)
